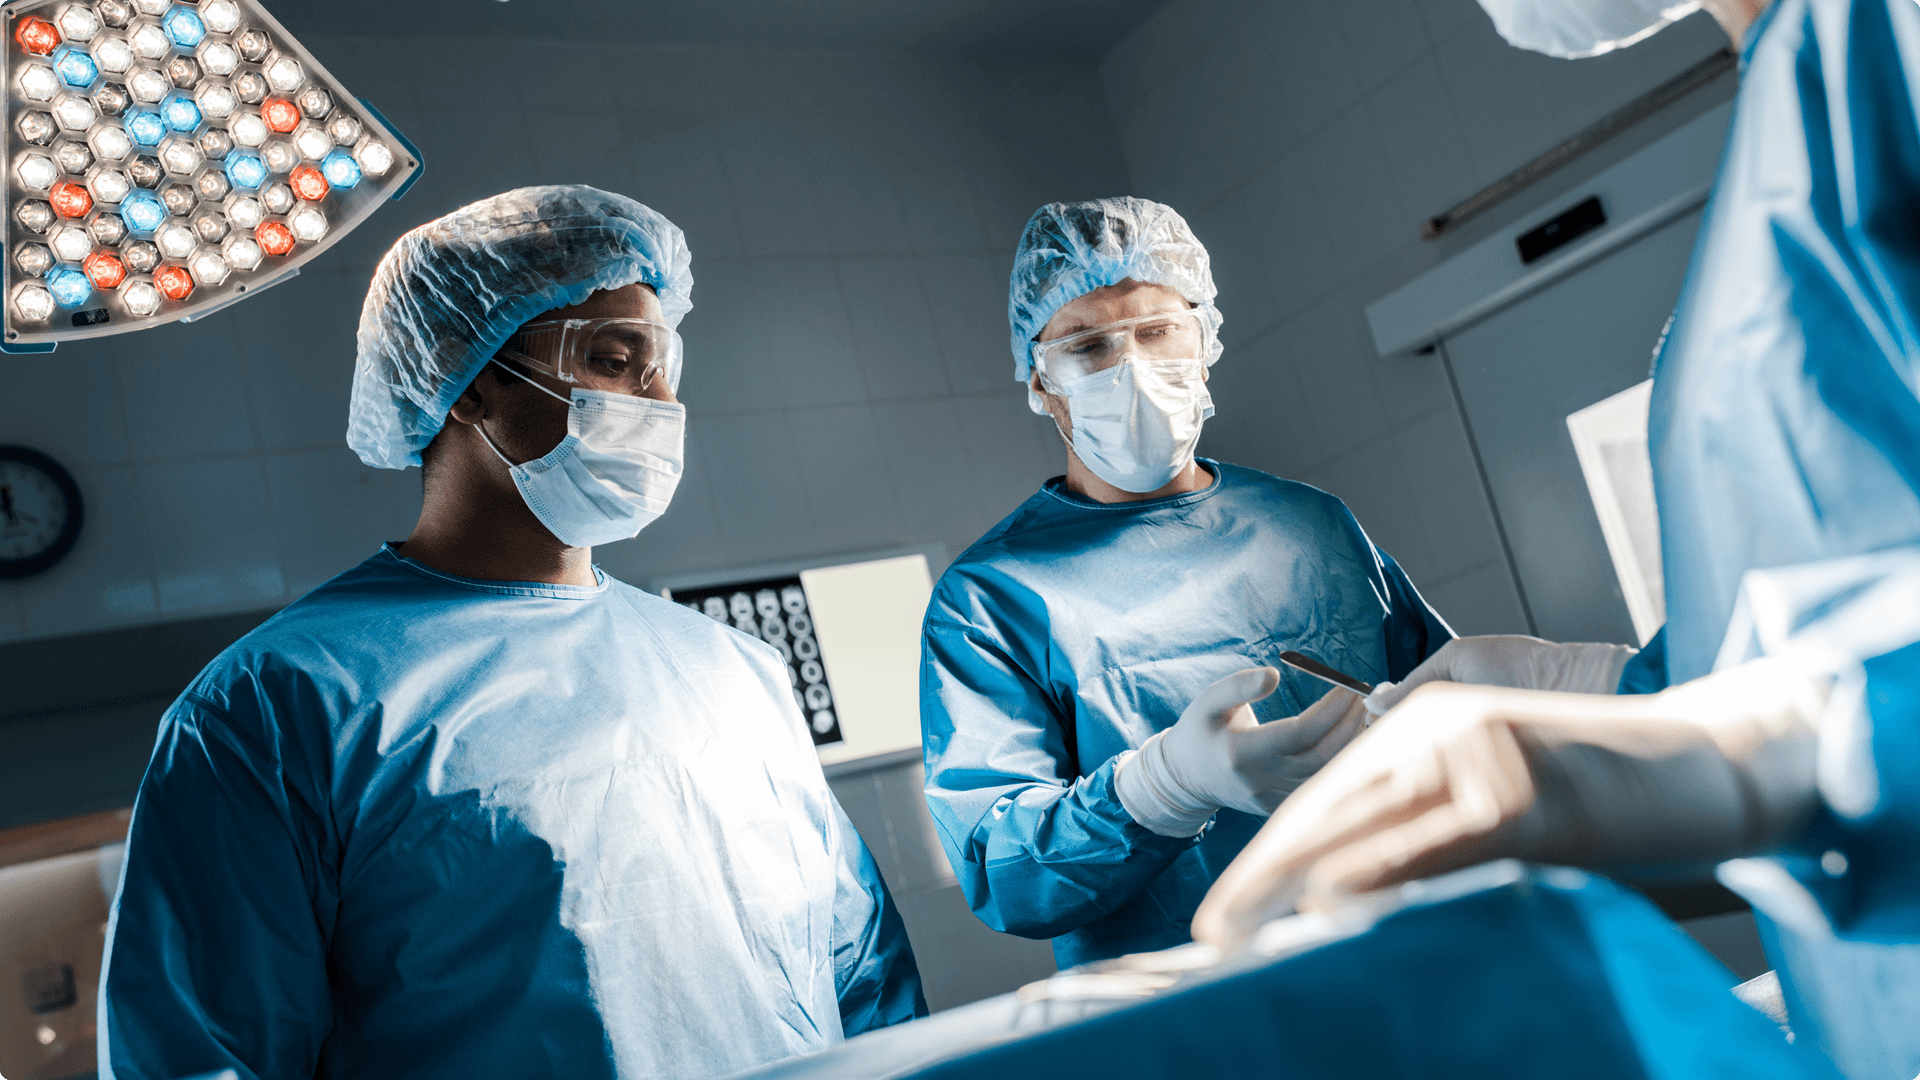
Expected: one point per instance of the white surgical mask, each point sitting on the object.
(1135, 427)
(612, 475)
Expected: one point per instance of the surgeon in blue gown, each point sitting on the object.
(473, 808)
(1775, 722)
(1062, 647)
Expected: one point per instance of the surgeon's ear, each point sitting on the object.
(469, 408)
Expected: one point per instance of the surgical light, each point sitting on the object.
(36, 36)
(78, 22)
(70, 287)
(76, 68)
(113, 54)
(142, 211)
(172, 156)
(105, 270)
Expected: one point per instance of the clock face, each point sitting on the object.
(39, 512)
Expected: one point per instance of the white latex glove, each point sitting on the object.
(1459, 775)
(1217, 755)
(1525, 663)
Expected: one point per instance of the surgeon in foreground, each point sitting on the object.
(1785, 432)
(473, 808)
(1105, 724)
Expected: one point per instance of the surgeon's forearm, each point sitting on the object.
(1047, 860)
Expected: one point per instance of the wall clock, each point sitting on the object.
(40, 512)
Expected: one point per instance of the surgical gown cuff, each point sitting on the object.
(1152, 799)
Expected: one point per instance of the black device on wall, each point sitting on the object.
(1570, 225)
(40, 512)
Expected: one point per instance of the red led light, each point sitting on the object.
(37, 36)
(70, 200)
(173, 282)
(280, 114)
(105, 270)
(274, 237)
(307, 183)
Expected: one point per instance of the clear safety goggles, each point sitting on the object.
(623, 356)
(1168, 337)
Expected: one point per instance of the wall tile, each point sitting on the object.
(916, 844)
(1370, 481)
(13, 624)
(1355, 191)
(968, 294)
(1478, 601)
(1230, 231)
(770, 171)
(932, 176)
(211, 530)
(727, 345)
(1290, 233)
(961, 959)
(330, 512)
(184, 392)
(1332, 357)
(1502, 108)
(296, 346)
(810, 342)
(106, 580)
(1162, 43)
(860, 212)
(845, 478)
(1420, 140)
(759, 498)
(893, 329)
(1383, 36)
(1446, 18)
(1447, 492)
(1309, 60)
(926, 451)
(1261, 414)
(46, 409)
(1012, 451)
(677, 170)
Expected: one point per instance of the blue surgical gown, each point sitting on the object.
(418, 825)
(1785, 434)
(1074, 630)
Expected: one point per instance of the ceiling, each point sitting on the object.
(1080, 31)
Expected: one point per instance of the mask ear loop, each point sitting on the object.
(483, 431)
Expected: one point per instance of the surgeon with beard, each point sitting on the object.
(1105, 725)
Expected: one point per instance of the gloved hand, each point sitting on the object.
(1217, 755)
(1526, 663)
(1459, 775)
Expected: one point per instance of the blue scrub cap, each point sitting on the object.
(448, 294)
(1070, 249)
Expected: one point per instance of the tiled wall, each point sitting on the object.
(851, 219)
(1306, 142)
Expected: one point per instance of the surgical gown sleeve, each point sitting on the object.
(1038, 851)
(874, 972)
(1413, 630)
(217, 955)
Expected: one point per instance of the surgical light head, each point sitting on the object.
(1576, 28)
(450, 293)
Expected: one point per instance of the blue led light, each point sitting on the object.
(340, 169)
(245, 169)
(183, 25)
(143, 211)
(146, 128)
(76, 68)
(180, 112)
(70, 287)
